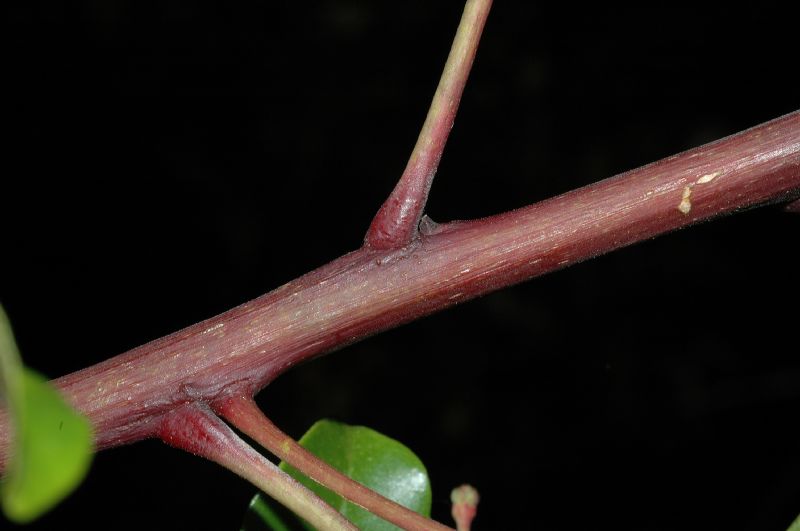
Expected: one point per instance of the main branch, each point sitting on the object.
(369, 290)
(408, 267)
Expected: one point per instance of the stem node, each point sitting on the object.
(395, 224)
(195, 428)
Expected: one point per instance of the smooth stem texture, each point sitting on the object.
(196, 429)
(244, 414)
(395, 224)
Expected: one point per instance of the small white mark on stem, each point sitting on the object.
(215, 327)
(467, 270)
(707, 178)
(457, 295)
(686, 204)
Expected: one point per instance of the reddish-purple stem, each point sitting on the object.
(369, 290)
(195, 428)
(395, 224)
(408, 267)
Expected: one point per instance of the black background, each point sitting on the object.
(170, 160)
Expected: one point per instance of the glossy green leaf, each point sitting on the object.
(376, 461)
(51, 445)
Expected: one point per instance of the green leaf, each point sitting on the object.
(261, 516)
(795, 525)
(51, 445)
(372, 459)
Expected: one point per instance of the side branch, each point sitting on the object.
(196, 429)
(395, 224)
(243, 413)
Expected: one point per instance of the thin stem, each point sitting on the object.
(196, 429)
(395, 224)
(242, 412)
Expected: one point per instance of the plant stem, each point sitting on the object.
(244, 414)
(408, 267)
(368, 290)
(194, 428)
(395, 224)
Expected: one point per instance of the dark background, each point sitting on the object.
(170, 160)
